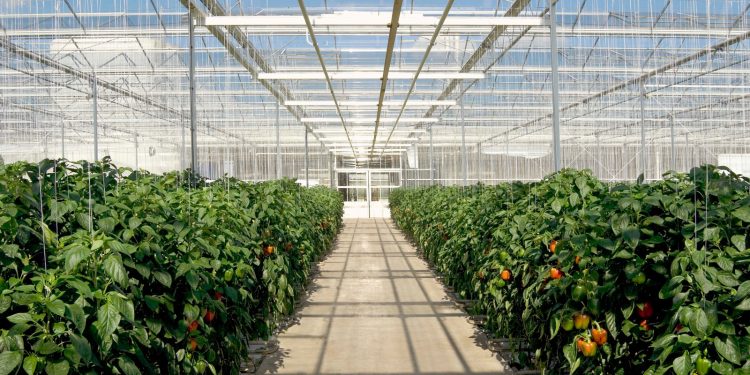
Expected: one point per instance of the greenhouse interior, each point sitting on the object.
(374, 187)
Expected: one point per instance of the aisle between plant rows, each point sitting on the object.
(376, 308)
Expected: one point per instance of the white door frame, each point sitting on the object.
(368, 178)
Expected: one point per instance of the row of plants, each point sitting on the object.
(591, 277)
(104, 270)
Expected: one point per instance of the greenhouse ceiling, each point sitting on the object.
(371, 79)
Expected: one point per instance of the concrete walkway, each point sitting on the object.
(376, 308)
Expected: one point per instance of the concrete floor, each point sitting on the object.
(376, 308)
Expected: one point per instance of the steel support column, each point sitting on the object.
(464, 157)
(556, 149)
(279, 172)
(255, 163)
(331, 172)
(182, 146)
(673, 159)
(599, 163)
(643, 130)
(95, 98)
(307, 160)
(135, 139)
(432, 160)
(62, 139)
(193, 111)
(479, 162)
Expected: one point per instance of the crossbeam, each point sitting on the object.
(366, 19)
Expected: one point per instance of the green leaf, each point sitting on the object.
(134, 222)
(624, 254)
(84, 220)
(127, 309)
(569, 351)
(582, 186)
(163, 278)
(554, 326)
(658, 220)
(180, 355)
(114, 268)
(107, 224)
(726, 327)
(122, 248)
(722, 368)
(705, 285)
(56, 307)
(574, 199)
(127, 366)
(742, 213)
(738, 240)
(29, 364)
(97, 244)
(686, 339)
(744, 305)
(108, 318)
(672, 287)
(9, 361)
(728, 279)
(729, 349)
(57, 368)
(627, 310)
(632, 236)
(46, 347)
(725, 263)
(699, 323)
(743, 291)
(556, 205)
(663, 341)
(76, 254)
(75, 314)
(83, 348)
(81, 286)
(611, 323)
(5, 303)
(20, 318)
(712, 316)
(682, 365)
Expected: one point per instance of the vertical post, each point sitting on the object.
(432, 159)
(136, 152)
(479, 162)
(688, 151)
(307, 160)
(255, 163)
(193, 114)
(278, 143)
(599, 156)
(331, 172)
(464, 158)
(404, 177)
(673, 159)
(182, 146)
(95, 98)
(62, 140)
(369, 192)
(643, 130)
(556, 150)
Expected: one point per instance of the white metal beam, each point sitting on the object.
(362, 103)
(365, 19)
(364, 75)
(370, 120)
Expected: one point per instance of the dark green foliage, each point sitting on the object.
(678, 244)
(104, 270)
